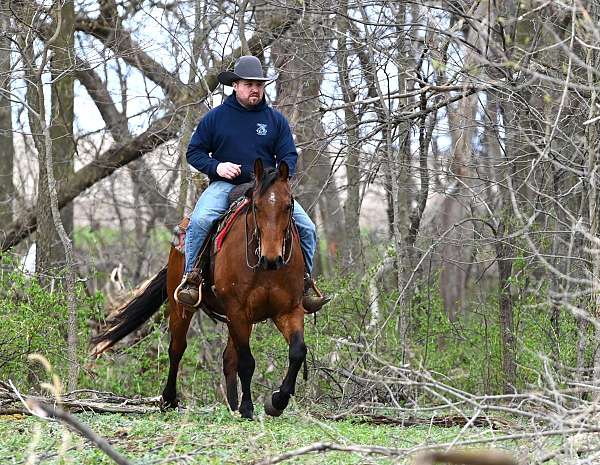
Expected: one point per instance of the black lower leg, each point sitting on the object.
(297, 354)
(246, 366)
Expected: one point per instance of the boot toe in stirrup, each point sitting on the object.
(188, 296)
(313, 303)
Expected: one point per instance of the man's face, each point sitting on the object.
(249, 93)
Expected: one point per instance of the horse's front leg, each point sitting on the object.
(179, 322)
(230, 370)
(239, 332)
(291, 326)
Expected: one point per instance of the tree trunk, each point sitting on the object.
(7, 152)
(593, 182)
(353, 257)
(398, 165)
(504, 248)
(50, 251)
(505, 306)
(454, 251)
(300, 57)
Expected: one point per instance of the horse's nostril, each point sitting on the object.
(263, 263)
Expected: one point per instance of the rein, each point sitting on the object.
(256, 235)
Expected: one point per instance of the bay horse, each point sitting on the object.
(257, 275)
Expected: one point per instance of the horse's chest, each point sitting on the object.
(259, 303)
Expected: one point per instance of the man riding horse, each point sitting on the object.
(227, 141)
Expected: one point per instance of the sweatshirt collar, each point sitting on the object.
(233, 102)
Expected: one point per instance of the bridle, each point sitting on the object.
(288, 235)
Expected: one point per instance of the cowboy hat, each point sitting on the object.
(246, 67)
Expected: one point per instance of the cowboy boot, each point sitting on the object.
(312, 303)
(188, 292)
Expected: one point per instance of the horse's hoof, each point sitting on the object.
(270, 409)
(168, 404)
(247, 411)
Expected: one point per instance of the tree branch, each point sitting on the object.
(161, 131)
(116, 122)
(121, 43)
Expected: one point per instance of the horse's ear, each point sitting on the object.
(283, 170)
(258, 170)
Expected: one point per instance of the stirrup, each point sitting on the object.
(184, 280)
(313, 304)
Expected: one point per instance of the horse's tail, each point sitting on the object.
(131, 315)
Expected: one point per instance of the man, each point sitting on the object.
(227, 141)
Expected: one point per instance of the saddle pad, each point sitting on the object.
(224, 224)
(227, 221)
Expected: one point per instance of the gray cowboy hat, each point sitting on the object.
(246, 67)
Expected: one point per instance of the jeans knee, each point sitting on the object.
(201, 222)
(307, 228)
(311, 228)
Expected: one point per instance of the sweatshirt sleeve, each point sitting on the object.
(199, 148)
(286, 148)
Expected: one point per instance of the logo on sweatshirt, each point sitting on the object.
(261, 129)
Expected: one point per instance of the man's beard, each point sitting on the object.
(250, 100)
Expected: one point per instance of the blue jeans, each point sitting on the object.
(213, 203)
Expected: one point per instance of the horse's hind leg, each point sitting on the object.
(230, 369)
(291, 326)
(179, 322)
(239, 333)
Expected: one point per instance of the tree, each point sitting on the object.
(7, 189)
(50, 254)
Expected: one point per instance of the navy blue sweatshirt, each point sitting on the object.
(232, 133)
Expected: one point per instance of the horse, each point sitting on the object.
(257, 275)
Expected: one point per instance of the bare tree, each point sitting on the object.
(7, 189)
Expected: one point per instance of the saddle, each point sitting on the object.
(201, 271)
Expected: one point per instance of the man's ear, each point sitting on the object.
(283, 170)
(258, 170)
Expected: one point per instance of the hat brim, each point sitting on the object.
(227, 78)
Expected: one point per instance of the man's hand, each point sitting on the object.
(229, 170)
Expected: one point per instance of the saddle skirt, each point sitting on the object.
(217, 235)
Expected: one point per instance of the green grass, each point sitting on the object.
(208, 436)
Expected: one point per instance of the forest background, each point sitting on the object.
(448, 155)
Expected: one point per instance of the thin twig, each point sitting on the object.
(47, 411)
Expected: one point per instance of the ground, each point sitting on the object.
(209, 435)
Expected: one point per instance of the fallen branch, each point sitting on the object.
(447, 421)
(329, 447)
(456, 457)
(44, 410)
(81, 401)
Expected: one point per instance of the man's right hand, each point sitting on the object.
(229, 170)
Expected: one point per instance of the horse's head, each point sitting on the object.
(272, 205)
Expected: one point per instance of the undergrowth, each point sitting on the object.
(465, 353)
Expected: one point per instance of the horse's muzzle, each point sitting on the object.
(267, 264)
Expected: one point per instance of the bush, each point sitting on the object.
(34, 320)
